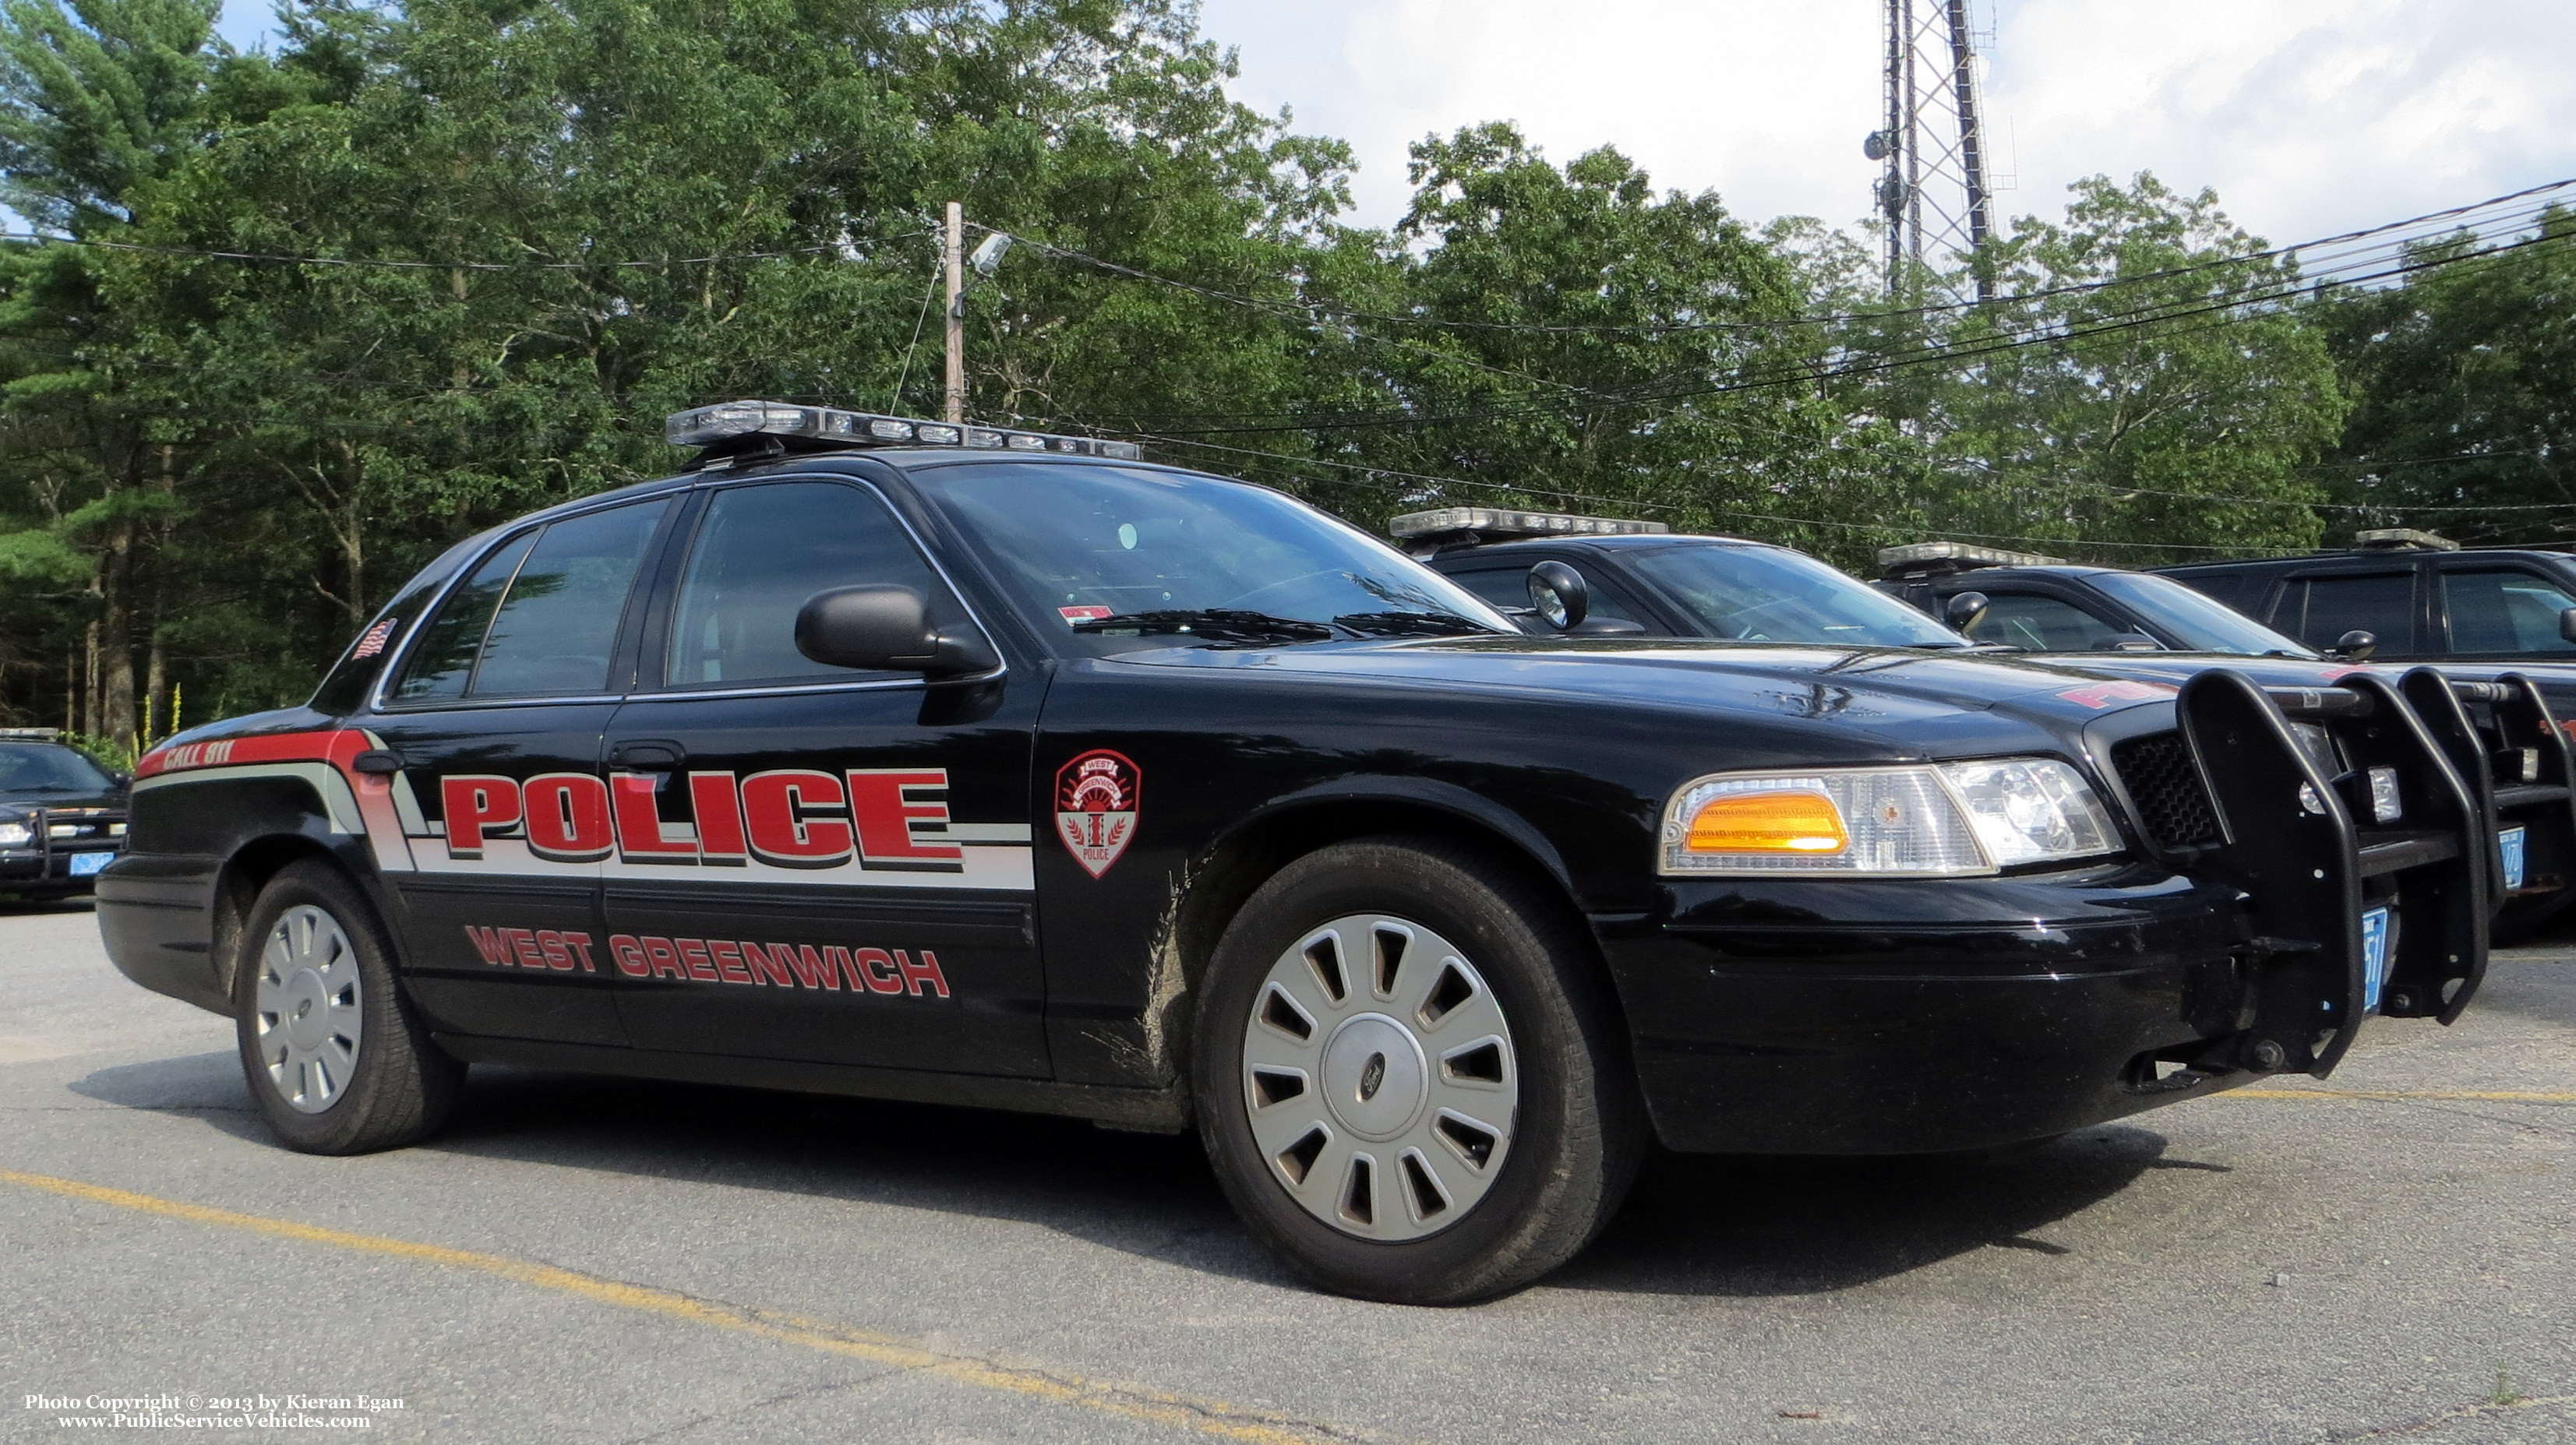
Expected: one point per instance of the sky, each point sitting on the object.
(2309, 117)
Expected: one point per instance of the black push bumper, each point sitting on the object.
(1887, 1016)
(2503, 741)
(45, 872)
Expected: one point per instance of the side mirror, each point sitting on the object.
(1559, 595)
(2129, 642)
(2357, 645)
(2567, 625)
(1963, 610)
(887, 629)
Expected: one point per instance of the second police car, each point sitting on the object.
(2497, 724)
(898, 759)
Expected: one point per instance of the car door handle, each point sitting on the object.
(649, 757)
(378, 761)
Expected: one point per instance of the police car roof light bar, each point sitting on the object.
(30, 735)
(2401, 539)
(1941, 559)
(711, 426)
(1461, 526)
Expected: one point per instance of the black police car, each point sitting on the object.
(900, 759)
(2046, 604)
(62, 816)
(2496, 726)
(2043, 604)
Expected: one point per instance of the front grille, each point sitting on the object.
(2172, 802)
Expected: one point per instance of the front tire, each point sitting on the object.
(1410, 1075)
(335, 1062)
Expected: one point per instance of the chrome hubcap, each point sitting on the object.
(306, 1014)
(1379, 1078)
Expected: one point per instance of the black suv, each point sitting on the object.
(62, 816)
(895, 758)
(2420, 596)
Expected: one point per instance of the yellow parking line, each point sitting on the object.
(2504, 1095)
(1206, 1417)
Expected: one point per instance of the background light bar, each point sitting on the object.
(1962, 554)
(707, 425)
(1497, 522)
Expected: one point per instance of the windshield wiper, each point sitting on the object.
(1414, 624)
(1220, 625)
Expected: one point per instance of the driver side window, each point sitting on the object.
(759, 553)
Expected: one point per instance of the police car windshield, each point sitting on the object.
(46, 770)
(1771, 594)
(2197, 621)
(1078, 543)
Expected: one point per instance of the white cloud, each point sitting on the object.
(1751, 95)
(2308, 116)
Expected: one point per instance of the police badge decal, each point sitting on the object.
(1095, 807)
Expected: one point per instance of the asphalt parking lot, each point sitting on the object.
(2385, 1255)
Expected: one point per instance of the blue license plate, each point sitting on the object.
(2374, 956)
(85, 864)
(2509, 842)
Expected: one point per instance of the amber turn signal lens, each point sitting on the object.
(1785, 820)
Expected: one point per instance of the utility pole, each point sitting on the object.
(1933, 191)
(954, 258)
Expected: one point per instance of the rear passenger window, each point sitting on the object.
(2040, 624)
(539, 618)
(2320, 610)
(2505, 611)
(760, 553)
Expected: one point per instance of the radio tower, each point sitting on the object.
(1933, 192)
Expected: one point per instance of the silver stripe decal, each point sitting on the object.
(326, 780)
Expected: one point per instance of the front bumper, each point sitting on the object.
(1909, 1017)
(45, 871)
(1886, 1016)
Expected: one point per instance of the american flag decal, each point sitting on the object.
(374, 640)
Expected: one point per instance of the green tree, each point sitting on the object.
(2462, 380)
(97, 101)
(2141, 377)
(1573, 334)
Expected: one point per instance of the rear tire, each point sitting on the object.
(335, 1062)
(1381, 1016)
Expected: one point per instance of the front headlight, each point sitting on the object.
(1944, 820)
(16, 835)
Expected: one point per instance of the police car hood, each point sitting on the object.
(1903, 690)
(2177, 668)
(30, 799)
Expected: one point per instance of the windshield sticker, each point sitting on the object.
(1073, 615)
(2103, 694)
(1095, 807)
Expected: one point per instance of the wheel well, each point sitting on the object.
(1248, 858)
(238, 886)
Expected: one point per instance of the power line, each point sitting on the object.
(1929, 356)
(1314, 309)
(389, 264)
(1667, 507)
(2149, 313)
